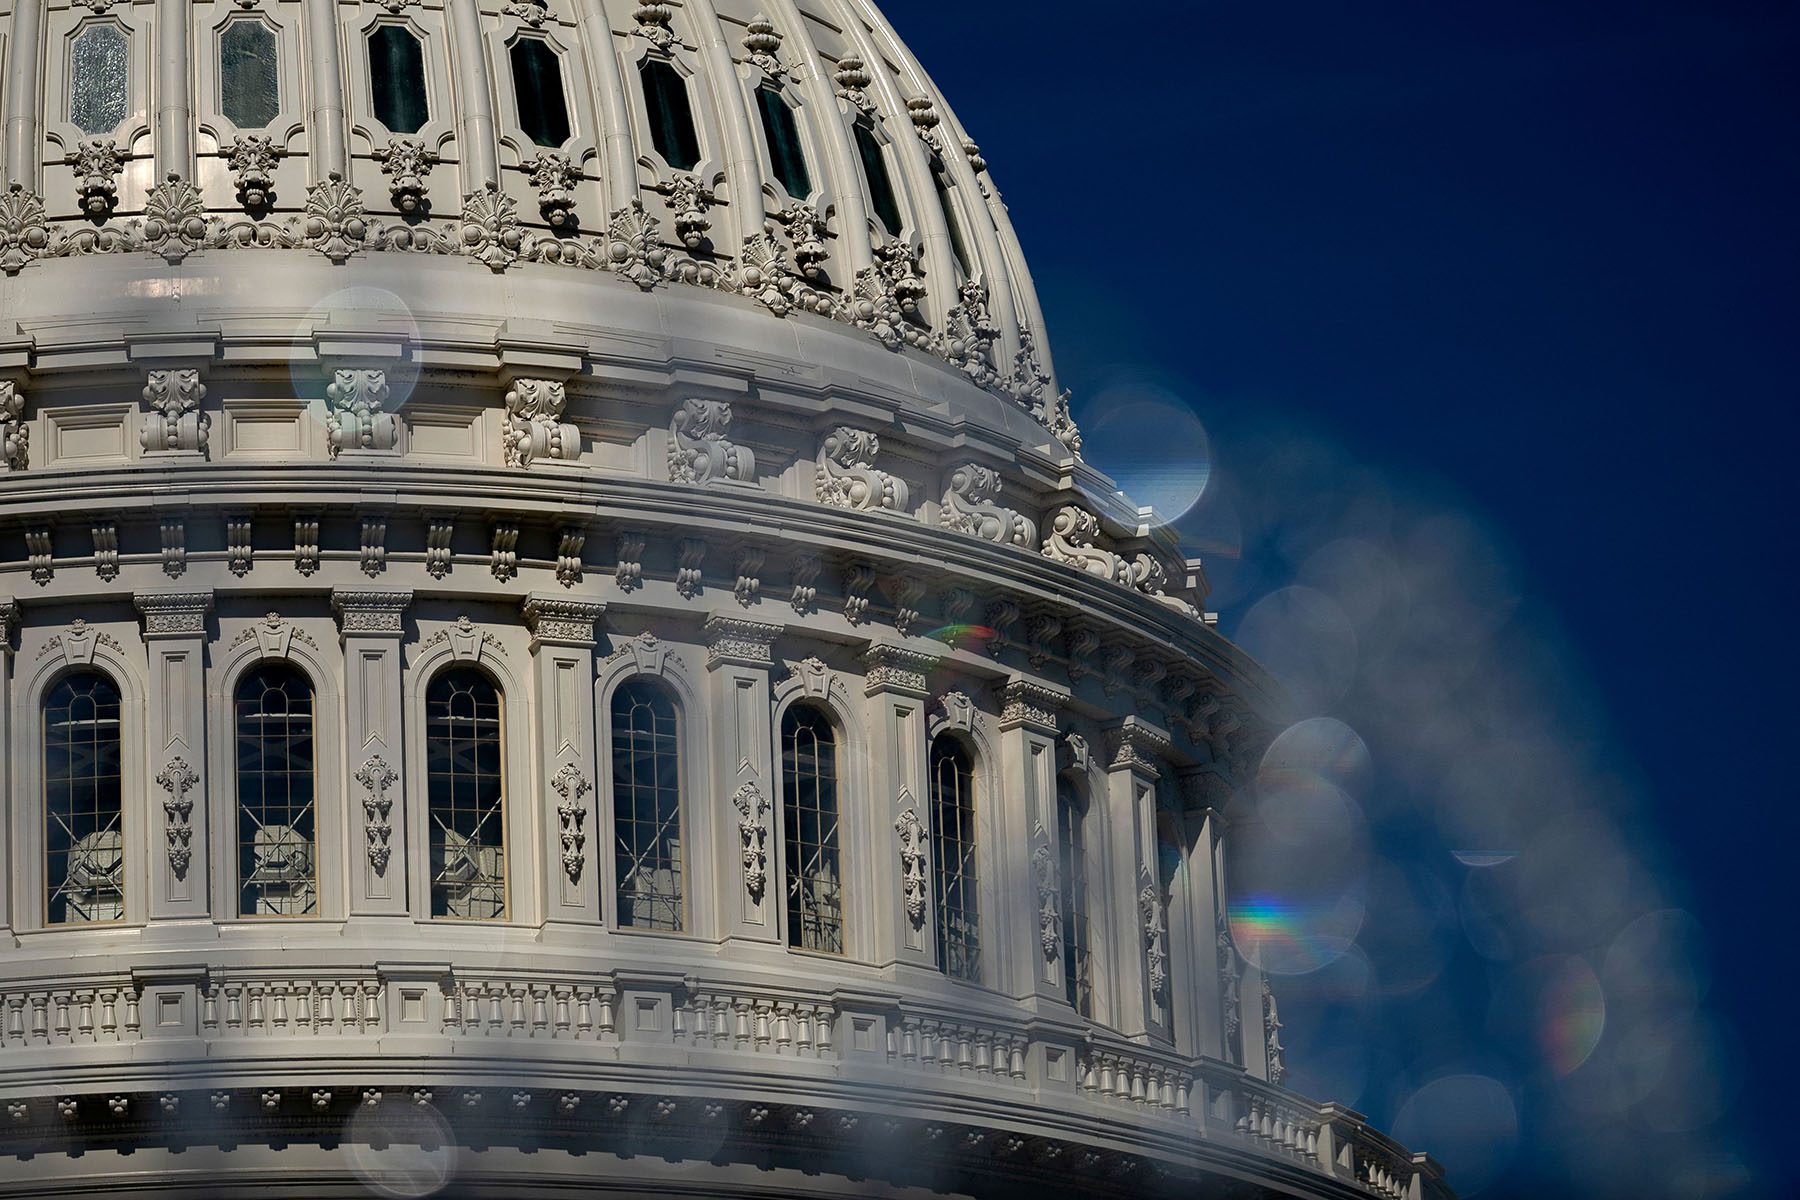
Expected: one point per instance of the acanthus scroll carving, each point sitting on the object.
(970, 507)
(174, 421)
(848, 477)
(355, 419)
(700, 449)
(376, 777)
(178, 779)
(15, 435)
(534, 425)
(753, 835)
(912, 860)
(571, 813)
(1073, 532)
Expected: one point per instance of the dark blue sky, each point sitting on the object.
(1531, 262)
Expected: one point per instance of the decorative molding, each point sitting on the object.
(465, 639)
(78, 643)
(274, 636)
(1049, 892)
(561, 621)
(700, 449)
(177, 779)
(1139, 746)
(571, 813)
(306, 545)
(1071, 539)
(805, 598)
(172, 421)
(503, 552)
(15, 434)
(174, 614)
(371, 613)
(356, 400)
(744, 643)
(40, 554)
(847, 477)
(859, 577)
(629, 571)
(690, 553)
(650, 654)
(568, 556)
(970, 507)
(753, 836)
(240, 547)
(376, 777)
(816, 679)
(374, 545)
(1025, 702)
(913, 860)
(748, 568)
(534, 425)
(438, 533)
(896, 669)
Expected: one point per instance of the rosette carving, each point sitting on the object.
(970, 507)
(848, 477)
(699, 447)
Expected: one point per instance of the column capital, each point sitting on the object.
(1026, 702)
(9, 622)
(1139, 746)
(740, 642)
(174, 613)
(561, 621)
(370, 613)
(897, 669)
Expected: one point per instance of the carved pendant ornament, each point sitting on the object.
(178, 779)
(912, 861)
(376, 777)
(1043, 863)
(1156, 951)
(753, 834)
(571, 813)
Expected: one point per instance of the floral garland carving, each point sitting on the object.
(753, 834)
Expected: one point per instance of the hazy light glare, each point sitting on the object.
(400, 1148)
(1467, 1122)
(1304, 639)
(1151, 443)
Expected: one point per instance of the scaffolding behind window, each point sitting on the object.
(1077, 947)
(276, 822)
(954, 876)
(84, 862)
(815, 893)
(465, 796)
(646, 766)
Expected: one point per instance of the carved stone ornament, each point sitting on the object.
(634, 248)
(753, 835)
(700, 450)
(569, 546)
(806, 232)
(1073, 531)
(628, 570)
(96, 167)
(15, 435)
(1153, 910)
(491, 233)
(886, 297)
(859, 577)
(24, 233)
(173, 422)
(762, 42)
(852, 78)
(334, 222)
(1229, 977)
(406, 162)
(896, 669)
(1274, 1053)
(766, 274)
(653, 23)
(571, 813)
(561, 621)
(554, 178)
(970, 507)
(355, 419)
(969, 333)
(177, 779)
(848, 478)
(40, 554)
(748, 569)
(371, 613)
(912, 860)
(690, 200)
(1026, 703)
(174, 614)
(534, 428)
(735, 640)
(174, 219)
(106, 551)
(1043, 865)
(690, 555)
(251, 158)
(806, 570)
(376, 777)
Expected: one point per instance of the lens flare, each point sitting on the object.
(1571, 1012)
(962, 637)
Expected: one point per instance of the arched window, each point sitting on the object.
(953, 220)
(881, 184)
(646, 750)
(84, 859)
(815, 890)
(538, 87)
(465, 795)
(249, 76)
(277, 836)
(1078, 948)
(786, 154)
(954, 877)
(99, 79)
(671, 114)
(397, 76)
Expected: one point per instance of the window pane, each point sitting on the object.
(1078, 970)
(783, 135)
(815, 894)
(647, 806)
(671, 115)
(953, 861)
(538, 87)
(397, 77)
(277, 837)
(100, 75)
(248, 74)
(881, 184)
(465, 796)
(84, 862)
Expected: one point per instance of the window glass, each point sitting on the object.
(248, 75)
(465, 796)
(671, 114)
(646, 749)
(538, 87)
(397, 76)
(99, 79)
(953, 863)
(881, 184)
(786, 155)
(1071, 834)
(815, 893)
(277, 836)
(84, 860)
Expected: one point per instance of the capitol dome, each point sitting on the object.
(558, 638)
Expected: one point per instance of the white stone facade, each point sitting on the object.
(374, 411)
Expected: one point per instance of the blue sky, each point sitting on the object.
(1489, 315)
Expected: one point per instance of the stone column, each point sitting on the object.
(1203, 977)
(9, 623)
(324, 91)
(899, 887)
(475, 144)
(1026, 852)
(747, 896)
(1139, 938)
(174, 108)
(562, 655)
(175, 739)
(371, 625)
(22, 99)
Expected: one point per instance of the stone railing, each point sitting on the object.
(264, 1007)
(79, 1015)
(766, 1024)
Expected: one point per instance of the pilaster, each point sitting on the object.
(562, 656)
(175, 738)
(1138, 936)
(1026, 848)
(739, 659)
(902, 926)
(9, 624)
(371, 624)
(1203, 978)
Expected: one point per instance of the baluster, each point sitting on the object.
(584, 1012)
(61, 1000)
(109, 1013)
(131, 1011)
(540, 1009)
(823, 1037)
(784, 1027)
(608, 1013)
(209, 1009)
